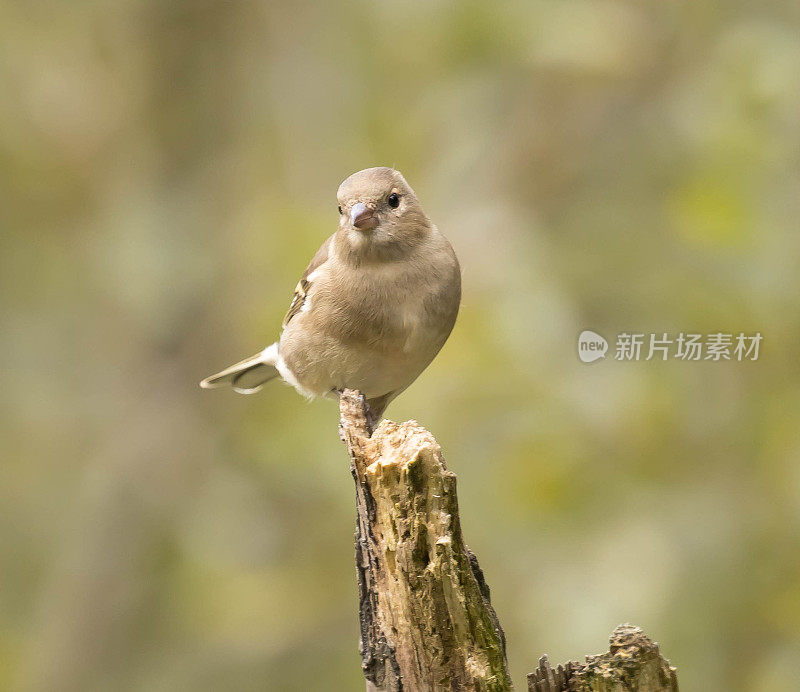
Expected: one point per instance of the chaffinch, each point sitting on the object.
(373, 308)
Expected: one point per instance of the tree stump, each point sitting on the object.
(632, 664)
(426, 619)
(427, 624)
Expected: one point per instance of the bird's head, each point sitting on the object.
(379, 214)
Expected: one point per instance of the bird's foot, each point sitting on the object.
(372, 419)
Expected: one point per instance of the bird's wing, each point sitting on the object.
(303, 286)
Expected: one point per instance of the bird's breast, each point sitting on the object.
(387, 308)
(373, 328)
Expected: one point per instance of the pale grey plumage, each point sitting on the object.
(373, 308)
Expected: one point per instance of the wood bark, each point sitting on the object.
(427, 623)
(632, 664)
(426, 619)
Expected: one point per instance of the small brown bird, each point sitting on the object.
(373, 308)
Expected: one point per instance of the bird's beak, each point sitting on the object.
(363, 217)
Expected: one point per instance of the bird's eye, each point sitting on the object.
(393, 200)
(340, 208)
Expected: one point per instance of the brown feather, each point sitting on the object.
(301, 290)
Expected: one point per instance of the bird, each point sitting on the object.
(374, 306)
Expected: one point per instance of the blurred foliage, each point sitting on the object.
(167, 169)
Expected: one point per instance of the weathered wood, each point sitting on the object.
(632, 664)
(426, 619)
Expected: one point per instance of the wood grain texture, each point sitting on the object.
(426, 619)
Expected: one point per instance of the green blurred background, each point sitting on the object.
(166, 171)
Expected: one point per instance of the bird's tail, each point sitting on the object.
(249, 375)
